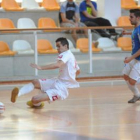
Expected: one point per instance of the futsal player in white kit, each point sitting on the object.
(132, 64)
(55, 88)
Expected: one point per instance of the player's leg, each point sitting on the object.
(126, 71)
(16, 92)
(134, 76)
(48, 86)
(56, 90)
(130, 81)
(50, 95)
(132, 86)
(37, 101)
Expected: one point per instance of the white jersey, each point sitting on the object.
(67, 73)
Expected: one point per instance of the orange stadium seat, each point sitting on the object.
(11, 5)
(128, 4)
(45, 47)
(6, 23)
(125, 43)
(82, 44)
(47, 23)
(124, 21)
(4, 49)
(50, 5)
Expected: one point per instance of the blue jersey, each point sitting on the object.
(136, 41)
(85, 7)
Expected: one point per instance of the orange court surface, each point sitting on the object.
(98, 112)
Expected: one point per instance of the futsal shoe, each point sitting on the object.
(134, 99)
(14, 94)
(29, 103)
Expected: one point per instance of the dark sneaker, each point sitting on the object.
(30, 104)
(14, 94)
(134, 99)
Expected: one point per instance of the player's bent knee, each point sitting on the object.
(36, 83)
(35, 100)
(126, 78)
(132, 81)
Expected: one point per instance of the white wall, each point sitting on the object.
(110, 9)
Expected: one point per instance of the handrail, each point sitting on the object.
(34, 31)
(66, 28)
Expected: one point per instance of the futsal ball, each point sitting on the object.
(2, 108)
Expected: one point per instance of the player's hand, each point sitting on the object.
(89, 3)
(127, 59)
(35, 66)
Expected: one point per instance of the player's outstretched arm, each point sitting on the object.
(56, 65)
(35, 66)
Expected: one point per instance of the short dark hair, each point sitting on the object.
(134, 10)
(137, 14)
(63, 41)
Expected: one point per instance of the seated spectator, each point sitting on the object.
(69, 17)
(88, 14)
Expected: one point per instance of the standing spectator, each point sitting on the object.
(69, 17)
(88, 14)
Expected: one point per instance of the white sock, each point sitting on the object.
(26, 89)
(134, 89)
(38, 104)
(128, 85)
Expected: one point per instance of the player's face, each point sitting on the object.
(133, 19)
(61, 48)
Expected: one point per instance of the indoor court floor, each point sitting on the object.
(89, 113)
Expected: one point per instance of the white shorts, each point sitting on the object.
(132, 69)
(54, 88)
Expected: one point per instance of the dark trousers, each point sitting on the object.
(100, 22)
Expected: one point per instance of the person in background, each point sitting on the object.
(88, 15)
(131, 69)
(69, 17)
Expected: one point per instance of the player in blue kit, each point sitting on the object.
(131, 70)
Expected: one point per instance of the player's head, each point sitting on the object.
(62, 44)
(134, 16)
